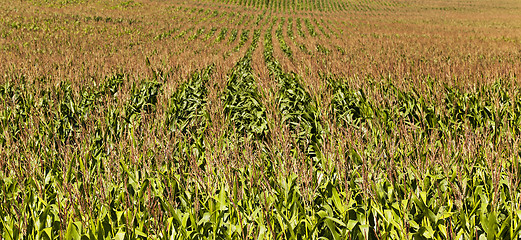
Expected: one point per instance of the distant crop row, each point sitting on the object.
(307, 5)
(192, 33)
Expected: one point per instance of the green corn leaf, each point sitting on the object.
(72, 232)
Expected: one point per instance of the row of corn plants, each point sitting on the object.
(327, 35)
(242, 40)
(310, 27)
(296, 105)
(299, 28)
(296, 6)
(301, 33)
(242, 104)
(280, 36)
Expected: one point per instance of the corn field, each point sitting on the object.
(257, 119)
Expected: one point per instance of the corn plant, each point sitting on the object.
(221, 36)
(187, 111)
(283, 44)
(242, 102)
(296, 105)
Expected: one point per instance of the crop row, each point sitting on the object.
(297, 107)
(187, 112)
(321, 28)
(299, 29)
(280, 36)
(242, 104)
(307, 5)
(310, 27)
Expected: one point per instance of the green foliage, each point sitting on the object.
(165, 35)
(242, 40)
(187, 110)
(291, 34)
(242, 102)
(299, 29)
(322, 49)
(143, 99)
(197, 33)
(296, 105)
(222, 35)
(321, 28)
(233, 35)
(283, 44)
(348, 107)
(210, 33)
(310, 27)
(183, 33)
(388, 190)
